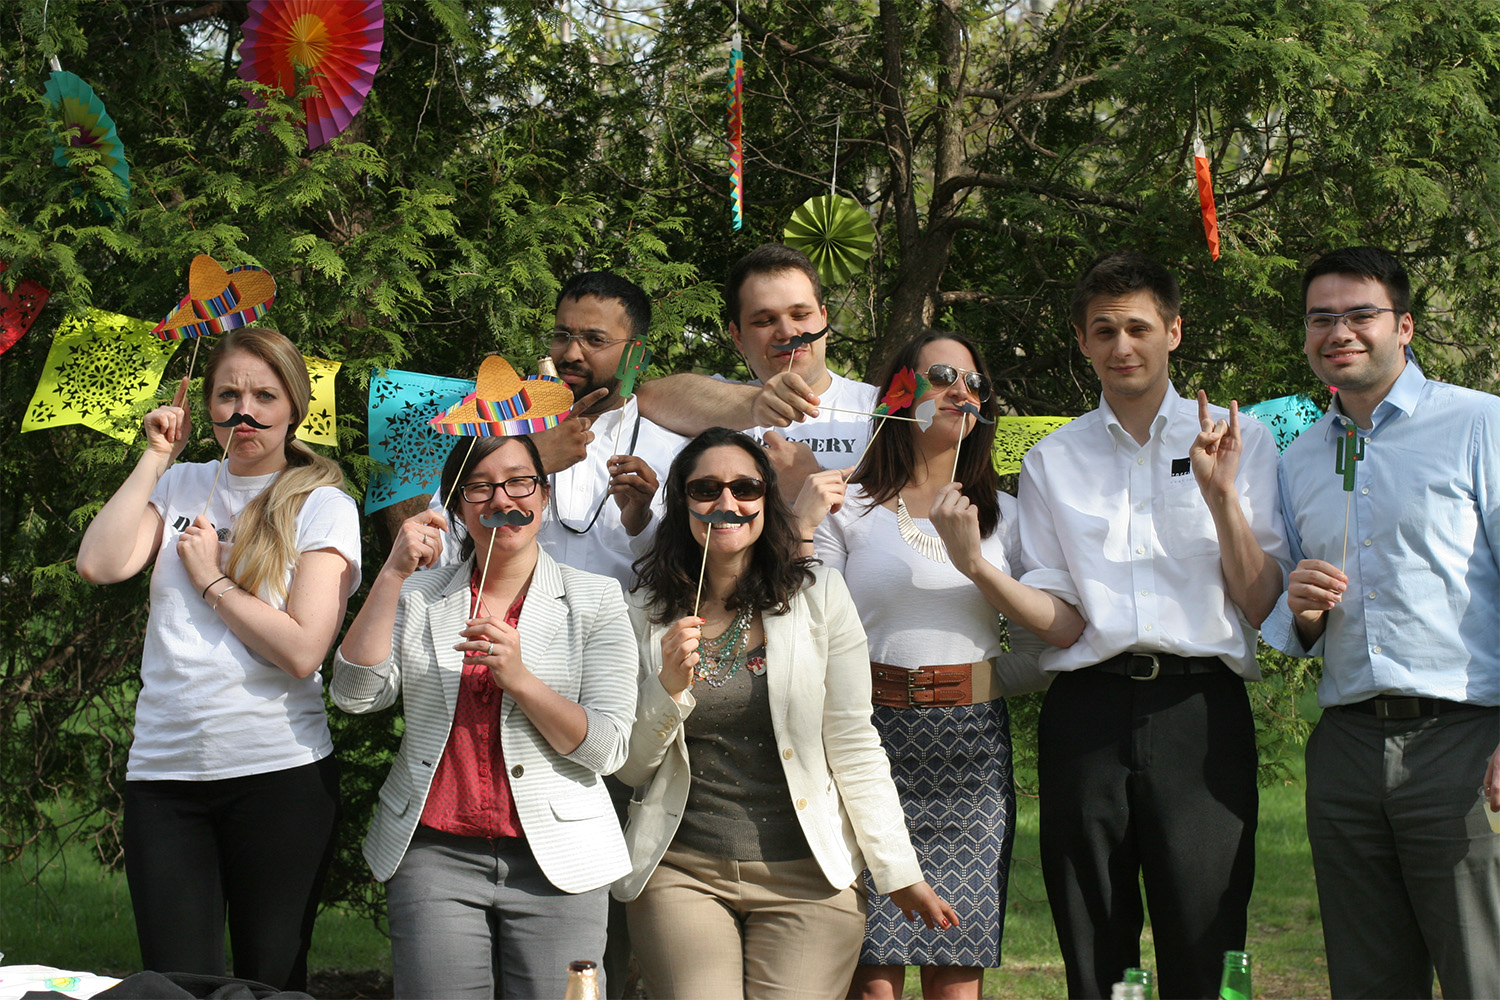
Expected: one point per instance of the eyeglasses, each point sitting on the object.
(709, 490)
(1357, 320)
(515, 487)
(942, 376)
(589, 340)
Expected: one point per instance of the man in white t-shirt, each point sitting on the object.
(773, 295)
(609, 496)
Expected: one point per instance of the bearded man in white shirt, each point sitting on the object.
(1158, 519)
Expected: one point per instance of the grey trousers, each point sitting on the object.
(477, 918)
(1408, 870)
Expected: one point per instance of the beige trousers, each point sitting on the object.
(707, 927)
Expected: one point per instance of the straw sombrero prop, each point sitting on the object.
(503, 404)
(218, 300)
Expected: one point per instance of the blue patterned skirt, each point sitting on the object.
(953, 772)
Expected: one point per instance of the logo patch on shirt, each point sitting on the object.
(1181, 467)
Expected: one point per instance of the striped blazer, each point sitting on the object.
(837, 773)
(575, 637)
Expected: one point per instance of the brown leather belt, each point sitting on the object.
(933, 687)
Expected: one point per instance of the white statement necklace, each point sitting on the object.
(928, 546)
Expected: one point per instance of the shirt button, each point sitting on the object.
(801, 803)
(1140, 550)
(1365, 491)
(1145, 593)
(1140, 506)
(1148, 628)
(1140, 461)
(517, 771)
(1371, 595)
(1367, 541)
(1375, 650)
(787, 754)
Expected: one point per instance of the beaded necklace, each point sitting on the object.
(721, 657)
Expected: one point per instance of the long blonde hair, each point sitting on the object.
(265, 533)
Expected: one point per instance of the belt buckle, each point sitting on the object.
(1404, 708)
(911, 688)
(1155, 667)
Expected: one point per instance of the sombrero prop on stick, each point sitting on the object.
(503, 404)
(217, 301)
(336, 43)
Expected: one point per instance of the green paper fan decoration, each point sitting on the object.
(835, 233)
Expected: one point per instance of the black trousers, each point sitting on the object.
(1154, 782)
(256, 847)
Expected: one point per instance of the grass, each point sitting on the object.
(77, 916)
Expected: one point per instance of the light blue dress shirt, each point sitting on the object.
(1421, 616)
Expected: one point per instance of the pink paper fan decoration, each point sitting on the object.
(336, 42)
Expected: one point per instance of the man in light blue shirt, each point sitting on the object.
(1401, 598)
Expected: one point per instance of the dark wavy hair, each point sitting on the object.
(888, 464)
(461, 459)
(669, 569)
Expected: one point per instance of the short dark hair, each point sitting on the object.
(668, 572)
(608, 285)
(1365, 262)
(891, 457)
(768, 258)
(467, 453)
(1123, 272)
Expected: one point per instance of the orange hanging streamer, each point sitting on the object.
(1206, 197)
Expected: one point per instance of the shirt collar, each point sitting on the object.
(1401, 398)
(1120, 435)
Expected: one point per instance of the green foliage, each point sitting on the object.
(998, 146)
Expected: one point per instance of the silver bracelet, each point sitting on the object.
(232, 586)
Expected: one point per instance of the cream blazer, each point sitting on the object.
(837, 773)
(576, 637)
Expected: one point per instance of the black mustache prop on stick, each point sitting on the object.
(235, 419)
(498, 519)
(712, 518)
(800, 340)
(969, 410)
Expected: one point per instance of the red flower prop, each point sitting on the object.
(903, 391)
(336, 42)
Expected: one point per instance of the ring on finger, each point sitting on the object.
(490, 649)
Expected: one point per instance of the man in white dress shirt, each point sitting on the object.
(608, 496)
(1157, 517)
(771, 296)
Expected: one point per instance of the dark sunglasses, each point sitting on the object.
(942, 376)
(709, 490)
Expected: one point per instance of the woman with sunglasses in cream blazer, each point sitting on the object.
(762, 790)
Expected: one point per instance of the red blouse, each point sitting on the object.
(470, 794)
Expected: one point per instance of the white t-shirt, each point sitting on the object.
(836, 439)
(209, 708)
(582, 489)
(918, 612)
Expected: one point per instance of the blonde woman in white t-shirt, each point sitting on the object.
(930, 557)
(231, 789)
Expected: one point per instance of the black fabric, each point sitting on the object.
(1148, 782)
(254, 848)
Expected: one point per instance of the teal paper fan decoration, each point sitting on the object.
(80, 111)
(835, 233)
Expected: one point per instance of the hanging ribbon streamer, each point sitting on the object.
(737, 126)
(1206, 196)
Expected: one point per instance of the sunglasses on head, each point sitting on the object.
(709, 490)
(942, 376)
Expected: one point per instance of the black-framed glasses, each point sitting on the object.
(590, 340)
(515, 487)
(709, 490)
(942, 376)
(1358, 320)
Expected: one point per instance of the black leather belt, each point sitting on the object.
(1150, 666)
(1388, 706)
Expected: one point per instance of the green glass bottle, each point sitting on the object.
(1236, 982)
(1145, 978)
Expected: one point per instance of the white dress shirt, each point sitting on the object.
(1121, 532)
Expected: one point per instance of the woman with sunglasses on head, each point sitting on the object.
(762, 789)
(938, 657)
(231, 791)
(517, 676)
